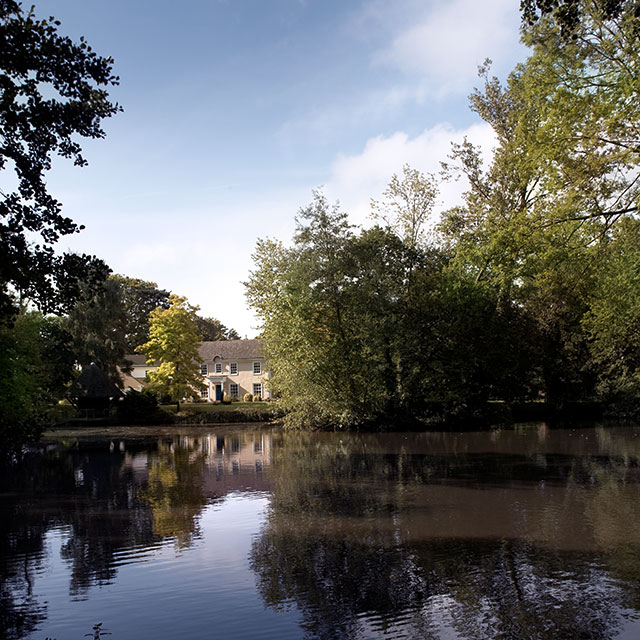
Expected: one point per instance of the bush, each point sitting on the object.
(138, 407)
(235, 399)
(257, 398)
(247, 397)
(226, 398)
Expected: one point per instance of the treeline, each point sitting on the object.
(41, 353)
(529, 290)
(58, 311)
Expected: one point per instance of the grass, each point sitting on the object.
(209, 407)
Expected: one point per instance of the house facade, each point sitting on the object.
(230, 367)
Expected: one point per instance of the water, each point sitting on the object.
(528, 532)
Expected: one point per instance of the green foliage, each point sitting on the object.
(373, 328)
(173, 343)
(97, 324)
(53, 90)
(538, 223)
(139, 298)
(141, 408)
(407, 205)
(568, 14)
(613, 320)
(36, 364)
(529, 288)
(212, 329)
(247, 397)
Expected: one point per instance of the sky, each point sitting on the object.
(234, 111)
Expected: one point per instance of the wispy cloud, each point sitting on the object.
(445, 44)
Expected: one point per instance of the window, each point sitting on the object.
(204, 392)
(233, 389)
(218, 367)
(204, 369)
(257, 368)
(233, 368)
(257, 389)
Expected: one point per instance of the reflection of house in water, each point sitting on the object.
(230, 463)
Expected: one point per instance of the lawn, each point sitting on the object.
(210, 407)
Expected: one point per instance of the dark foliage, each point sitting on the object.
(569, 13)
(51, 91)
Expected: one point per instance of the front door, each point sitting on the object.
(218, 393)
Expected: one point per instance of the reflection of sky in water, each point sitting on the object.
(171, 592)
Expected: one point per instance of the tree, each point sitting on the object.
(36, 364)
(173, 343)
(407, 205)
(370, 328)
(140, 298)
(569, 13)
(537, 222)
(98, 326)
(613, 320)
(212, 329)
(52, 90)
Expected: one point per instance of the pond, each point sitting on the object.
(528, 532)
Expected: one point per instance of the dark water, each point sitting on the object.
(522, 533)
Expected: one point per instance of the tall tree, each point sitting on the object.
(408, 203)
(140, 298)
(368, 327)
(613, 320)
(212, 329)
(36, 364)
(98, 326)
(173, 343)
(52, 91)
(569, 13)
(537, 221)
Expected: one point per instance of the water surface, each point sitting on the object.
(528, 532)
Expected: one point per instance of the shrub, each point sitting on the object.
(257, 398)
(140, 407)
(226, 398)
(247, 397)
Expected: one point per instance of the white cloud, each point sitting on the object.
(355, 179)
(446, 45)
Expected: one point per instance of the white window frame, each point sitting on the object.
(257, 368)
(235, 394)
(232, 366)
(217, 368)
(257, 385)
(204, 392)
(204, 369)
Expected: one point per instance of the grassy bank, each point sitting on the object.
(208, 413)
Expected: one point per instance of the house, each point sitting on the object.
(230, 367)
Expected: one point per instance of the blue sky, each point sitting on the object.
(235, 110)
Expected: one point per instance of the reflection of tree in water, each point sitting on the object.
(23, 526)
(105, 509)
(175, 493)
(354, 572)
(105, 515)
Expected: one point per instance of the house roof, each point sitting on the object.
(231, 349)
(93, 383)
(226, 349)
